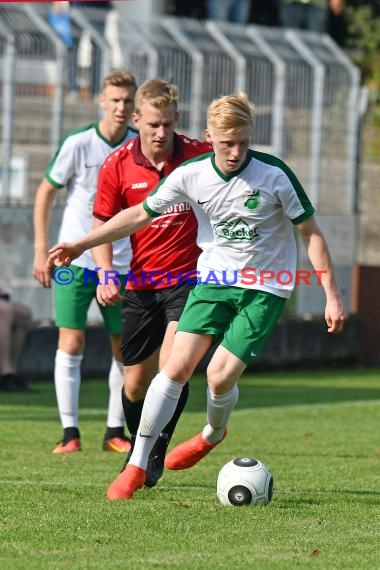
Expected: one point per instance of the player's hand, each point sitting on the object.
(108, 294)
(63, 254)
(334, 315)
(40, 270)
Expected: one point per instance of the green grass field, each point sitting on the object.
(318, 431)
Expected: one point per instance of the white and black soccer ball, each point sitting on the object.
(244, 481)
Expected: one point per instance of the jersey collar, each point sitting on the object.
(140, 159)
(110, 143)
(227, 177)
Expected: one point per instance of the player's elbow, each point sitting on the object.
(142, 217)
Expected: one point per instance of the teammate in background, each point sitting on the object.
(76, 166)
(155, 295)
(253, 201)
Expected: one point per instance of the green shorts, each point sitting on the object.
(242, 320)
(73, 293)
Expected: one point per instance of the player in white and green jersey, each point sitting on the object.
(253, 201)
(252, 212)
(75, 167)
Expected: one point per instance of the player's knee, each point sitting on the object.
(135, 387)
(219, 380)
(217, 385)
(179, 369)
(135, 393)
(71, 342)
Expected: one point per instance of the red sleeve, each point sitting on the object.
(108, 197)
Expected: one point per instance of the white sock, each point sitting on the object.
(219, 409)
(67, 383)
(115, 417)
(159, 405)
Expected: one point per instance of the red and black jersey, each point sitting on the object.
(168, 244)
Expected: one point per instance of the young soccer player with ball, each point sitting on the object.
(155, 294)
(253, 201)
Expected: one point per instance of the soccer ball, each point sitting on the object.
(244, 481)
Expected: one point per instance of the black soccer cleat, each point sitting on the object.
(154, 471)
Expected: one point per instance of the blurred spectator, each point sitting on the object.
(15, 320)
(309, 14)
(337, 26)
(59, 18)
(111, 34)
(60, 21)
(236, 11)
(85, 66)
(103, 16)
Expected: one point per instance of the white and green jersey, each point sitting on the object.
(76, 165)
(251, 212)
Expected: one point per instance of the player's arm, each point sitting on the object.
(123, 224)
(320, 258)
(41, 220)
(107, 292)
(106, 205)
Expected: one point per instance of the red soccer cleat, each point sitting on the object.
(69, 447)
(125, 484)
(118, 444)
(190, 452)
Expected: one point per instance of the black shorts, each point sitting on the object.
(145, 316)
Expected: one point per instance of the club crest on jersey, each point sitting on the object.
(235, 230)
(253, 200)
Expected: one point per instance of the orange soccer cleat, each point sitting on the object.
(190, 452)
(118, 444)
(125, 484)
(68, 447)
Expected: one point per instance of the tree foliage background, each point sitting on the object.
(363, 42)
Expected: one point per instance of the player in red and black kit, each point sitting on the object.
(164, 253)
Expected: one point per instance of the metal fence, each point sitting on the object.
(305, 89)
